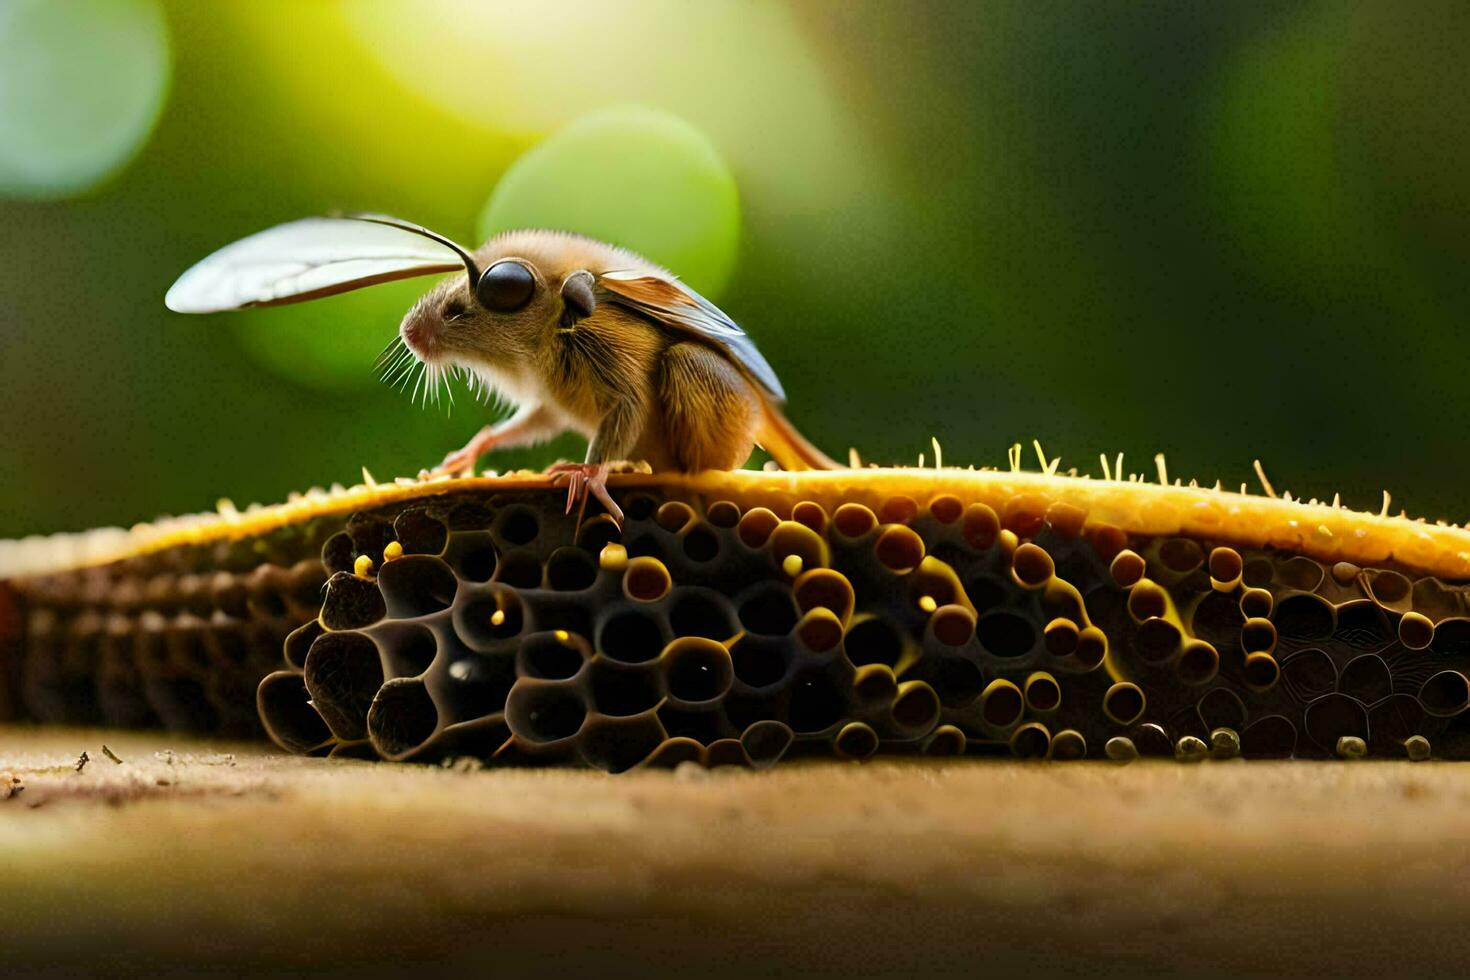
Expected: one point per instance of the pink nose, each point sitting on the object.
(418, 332)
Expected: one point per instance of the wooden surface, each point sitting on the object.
(193, 856)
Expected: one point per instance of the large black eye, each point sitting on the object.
(505, 287)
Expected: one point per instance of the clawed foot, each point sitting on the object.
(583, 479)
(462, 462)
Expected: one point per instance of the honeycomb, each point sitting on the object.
(724, 625)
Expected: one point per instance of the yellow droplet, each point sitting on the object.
(363, 567)
(791, 565)
(392, 550)
(614, 557)
(497, 618)
(562, 636)
(927, 603)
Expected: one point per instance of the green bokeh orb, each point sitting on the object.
(328, 345)
(81, 85)
(637, 177)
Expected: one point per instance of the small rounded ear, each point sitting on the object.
(578, 299)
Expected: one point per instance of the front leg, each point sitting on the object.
(615, 438)
(530, 424)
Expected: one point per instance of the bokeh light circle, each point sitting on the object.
(81, 86)
(634, 176)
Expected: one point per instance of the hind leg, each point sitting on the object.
(709, 412)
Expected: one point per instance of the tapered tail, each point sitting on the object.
(788, 447)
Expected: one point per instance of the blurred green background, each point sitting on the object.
(1216, 230)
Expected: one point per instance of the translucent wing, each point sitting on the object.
(678, 307)
(307, 259)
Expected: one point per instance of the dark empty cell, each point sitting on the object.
(953, 625)
(724, 752)
(1042, 692)
(640, 507)
(673, 515)
(1005, 634)
(1032, 565)
(543, 712)
(899, 548)
(1001, 704)
(286, 712)
(1198, 663)
(1452, 638)
(598, 533)
(854, 520)
(1147, 599)
(760, 662)
(1299, 573)
(408, 648)
(469, 516)
(1303, 617)
(816, 704)
(702, 726)
(1272, 737)
(1225, 564)
(644, 546)
(1222, 708)
(402, 717)
(946, 740)
(957, 681)
(1151, 740)
(550, 656)
(343, 674)
(1261, 671)
(874, 641)
(489, 620)
(416, 585)
(1031, 741)
(1309, 674)
(1392, 720)
(1258, 636)
(1258, 573)
(338, 553)
(1157, 640)
(616, 745)
(478, 684)
(672, 752)
(855, 741)
(621, 690)
(916, 707)
(697, 669)
(472, 555)
(1217, 619)
(570, 570)
(701, 544)
(299, 642)
(517, 525)
(768, 611)
(723, 513)
(1389, 588)
(701, 613)
(1181, 555)
(1366, 678)
(1334, 716)
(1445, 694)
(519, 570)
(632, 637)
(1123, 703)
(420, 534)
(1363, 626)
(646, 580)
(1256, 603)
(370, 535)
(351, 603)
(765, 742)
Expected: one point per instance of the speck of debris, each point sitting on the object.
(167, 755)
(10, 785)
(110, 754)
(82, 760)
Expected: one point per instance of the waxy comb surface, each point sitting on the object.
(741, 617)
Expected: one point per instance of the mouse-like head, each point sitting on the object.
(519, 288)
